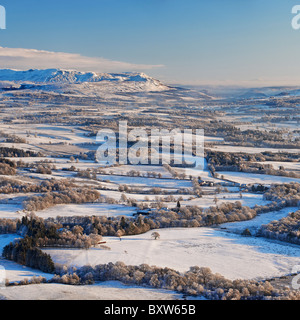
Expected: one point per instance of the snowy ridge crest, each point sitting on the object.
(77, 82)
(69, 76)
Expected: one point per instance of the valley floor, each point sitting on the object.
(50, 138)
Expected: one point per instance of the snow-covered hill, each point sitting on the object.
(77, 82)
(70, 76)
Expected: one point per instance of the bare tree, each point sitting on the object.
(155, 235)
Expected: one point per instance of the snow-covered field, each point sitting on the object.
(251, 178)
(10, 211)
(43, 134)
(146, 182)
(59, 114)
(60, 163)
(208, 200)
(87, 209)
(231, 255)
(109, 290)
(290, 166)
(248, 199)
(237, 149)
(138, 196)
(143, 169)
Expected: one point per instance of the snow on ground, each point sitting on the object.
(16, 272)
(288, 125)
(251, 178)
(109, 290)
(6, 239)
(254, 224)
(238, 149)
(55, 79)
(290, 166)
(148, 182)
(231, 255)
(86, 209)
(207, 200)
(59, 163)
(139, 196)
(10, 211)
(143, 169)
(248, 199)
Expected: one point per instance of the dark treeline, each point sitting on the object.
(7, 167)
(17, 153)
(9, 162)
(10, 185)
(249, 163)
(25, 252)
(7, 170)
(107, 226)
(49, 234)
(250, 137)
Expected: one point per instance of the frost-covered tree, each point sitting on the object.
(155, 235)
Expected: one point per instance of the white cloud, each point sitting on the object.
(24, 59)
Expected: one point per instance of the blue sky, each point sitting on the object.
(249, 42)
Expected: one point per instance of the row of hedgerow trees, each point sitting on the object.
(25, 253)
(286, 229)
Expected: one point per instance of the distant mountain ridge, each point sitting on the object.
(78, 82)
(69, 76)
(100, 84)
